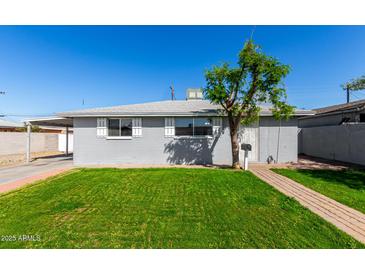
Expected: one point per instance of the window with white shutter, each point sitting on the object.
(137, 127)
(169, 127)
(101, 127)
(217, 125)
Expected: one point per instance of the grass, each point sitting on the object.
(161, 208)
(345, 186)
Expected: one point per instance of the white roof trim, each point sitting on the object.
(165, 109)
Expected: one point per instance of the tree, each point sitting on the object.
(354, 85)
(240, 90)
(33, 129)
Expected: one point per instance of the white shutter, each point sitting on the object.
(137, 127)
(169, 127)
(217, 125)
(101, 129)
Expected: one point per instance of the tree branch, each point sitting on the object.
(225, 108)
(251, 91)
(234, 93)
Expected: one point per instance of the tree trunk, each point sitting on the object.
(233, 129)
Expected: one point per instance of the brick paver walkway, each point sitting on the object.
(345, 218)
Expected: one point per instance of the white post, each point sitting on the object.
(245, 161)
(66, 141)
(29, 129)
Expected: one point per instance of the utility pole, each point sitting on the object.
(172, 93)
(348, 94)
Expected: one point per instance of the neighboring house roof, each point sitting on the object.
(10, 124)
(356, 105)
(164, 108)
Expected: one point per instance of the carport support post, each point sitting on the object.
(29, 130)
(66, 141)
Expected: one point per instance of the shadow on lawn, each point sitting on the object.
(352, 178)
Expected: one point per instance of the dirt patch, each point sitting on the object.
(307, 162)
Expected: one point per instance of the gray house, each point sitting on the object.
(187, 131)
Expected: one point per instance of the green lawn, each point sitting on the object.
(162, 208)
(346, 186)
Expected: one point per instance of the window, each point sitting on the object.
(113, 129)
(362, 117)
(184, 127)
(193, 127)
(203, 126)
(120, 127)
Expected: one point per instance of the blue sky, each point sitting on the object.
(48, 69)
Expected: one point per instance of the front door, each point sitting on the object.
(249, 135)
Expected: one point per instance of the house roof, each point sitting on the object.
(10, 124)
(164, 108)
(341, 107)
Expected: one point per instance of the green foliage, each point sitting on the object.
(33, 129)
(162, 208)
(36, 129)
(257, 79)
(355, 84)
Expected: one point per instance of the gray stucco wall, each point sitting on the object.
(154, 148)
(342, 143)
(316, 121)
(280, 141)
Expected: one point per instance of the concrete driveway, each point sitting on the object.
(37, 167)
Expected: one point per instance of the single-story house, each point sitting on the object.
(190, 131)
(10, 126)
(353, 112)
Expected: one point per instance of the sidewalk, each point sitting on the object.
(17, 176)
(343, 217)
(31, 179)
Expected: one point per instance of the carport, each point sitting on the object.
(50, 122)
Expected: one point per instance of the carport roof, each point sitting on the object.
(51, 121)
